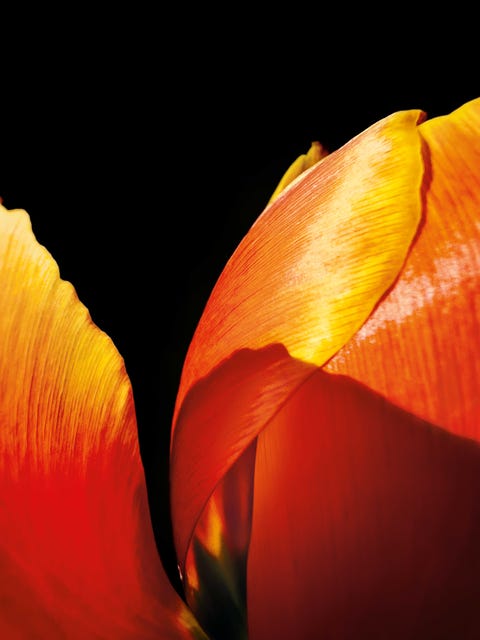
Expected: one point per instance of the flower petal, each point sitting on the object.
(77, 553)
(365, 522)
(420, 346)
(219, 420)
(315, 263)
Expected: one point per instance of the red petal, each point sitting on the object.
(366, 522)
(421, 346)
(220, 417)
(77, 555)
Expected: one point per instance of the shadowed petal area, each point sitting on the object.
(77, 553)
(315, 263)
(366, 522)
(220, 418)
(215, 566)
(420, 346)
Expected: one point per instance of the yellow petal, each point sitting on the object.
(312, 267)
(420, 346)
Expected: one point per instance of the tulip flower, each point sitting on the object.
(325, 459)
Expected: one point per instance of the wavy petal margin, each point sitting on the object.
(77, 554)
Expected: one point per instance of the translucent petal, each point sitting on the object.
(420, 348)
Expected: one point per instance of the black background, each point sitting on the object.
(144, 145)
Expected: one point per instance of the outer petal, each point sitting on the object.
(218, 421)
(315, 263)
(77, 553)
(420, 348)
(365, 522)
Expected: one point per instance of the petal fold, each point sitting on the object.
(77, 553)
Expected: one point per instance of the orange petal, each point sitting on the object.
(77, 554)
(315, 263)
(365, 522)
(420, 348)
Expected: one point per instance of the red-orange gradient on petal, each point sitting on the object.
(366, 522)
(420, 348)
(77, 554)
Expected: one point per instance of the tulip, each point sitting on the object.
(325, 466)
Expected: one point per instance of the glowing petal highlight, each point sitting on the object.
(77, 554)
(420, 347)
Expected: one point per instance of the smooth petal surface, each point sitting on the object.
(77, 553)
(315, 263)
(420, 348)
(219, 420)
(366, 522)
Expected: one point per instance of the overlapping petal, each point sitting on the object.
(420, 348)
(77, 554)
(344, 227)
(219, 419)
